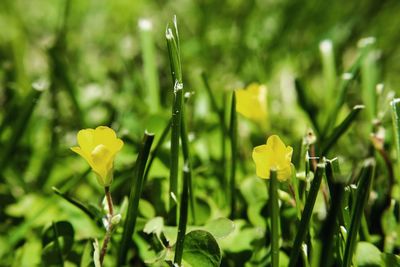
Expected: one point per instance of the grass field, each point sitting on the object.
(199, 133)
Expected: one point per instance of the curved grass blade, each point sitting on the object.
(176, 119)
(92, 215)
(330, 225)
(363, 190)
(157, 147)
(341, 129)
(306, 215)
(233, 139)
(134, 197)
(20, 125)
(346, 80)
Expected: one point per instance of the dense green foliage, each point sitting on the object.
(68, 65)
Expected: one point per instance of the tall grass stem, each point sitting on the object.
(306, 215)
(134, 197)
(274, 209)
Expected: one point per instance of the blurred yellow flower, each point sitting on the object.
(252, 102)
(99, 147)
(274, 155)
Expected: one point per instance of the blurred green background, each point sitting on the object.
(87, 58)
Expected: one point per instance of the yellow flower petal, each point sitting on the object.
(273, 155)
(83, 154)
(252, 102)
(85, 139)
(99, 147)
(104, 135)
(284, 174)
(101, 155)
(260, 157)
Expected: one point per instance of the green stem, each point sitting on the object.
(330, 225)
(153, 153)
(176, 73)
(340, 129)
(396, 126)
(306, 215)
(363, 190)
(109, 201)
(274, 209)
(183, 215)
(233, 139)
(134, 197)
(188, 164)
(110, 227)
(57, 244)
(174, 161)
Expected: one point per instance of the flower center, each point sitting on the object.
(100, 154)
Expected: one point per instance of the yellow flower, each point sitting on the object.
(252, 102)
(274, 155)
(99, 147)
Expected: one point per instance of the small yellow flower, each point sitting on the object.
(99, 147)
(252, 102)
(274, 155)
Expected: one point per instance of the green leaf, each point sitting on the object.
(220, 227)
(242, 238)
(253, 190)
(367, 255)
(256, 213)
(389, 227)
(201, 249)
(203, 209)
(390, 260)
(146, 209)
(155, 225)
(87, 255)
(96, 253)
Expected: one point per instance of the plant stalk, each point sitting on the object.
(274, 209)
(109, 225)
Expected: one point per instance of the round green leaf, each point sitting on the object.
(367, 255)
(220, 227)
(201, 249)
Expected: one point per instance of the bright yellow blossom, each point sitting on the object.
(99, 147)
(274, 155)
(252, 102)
